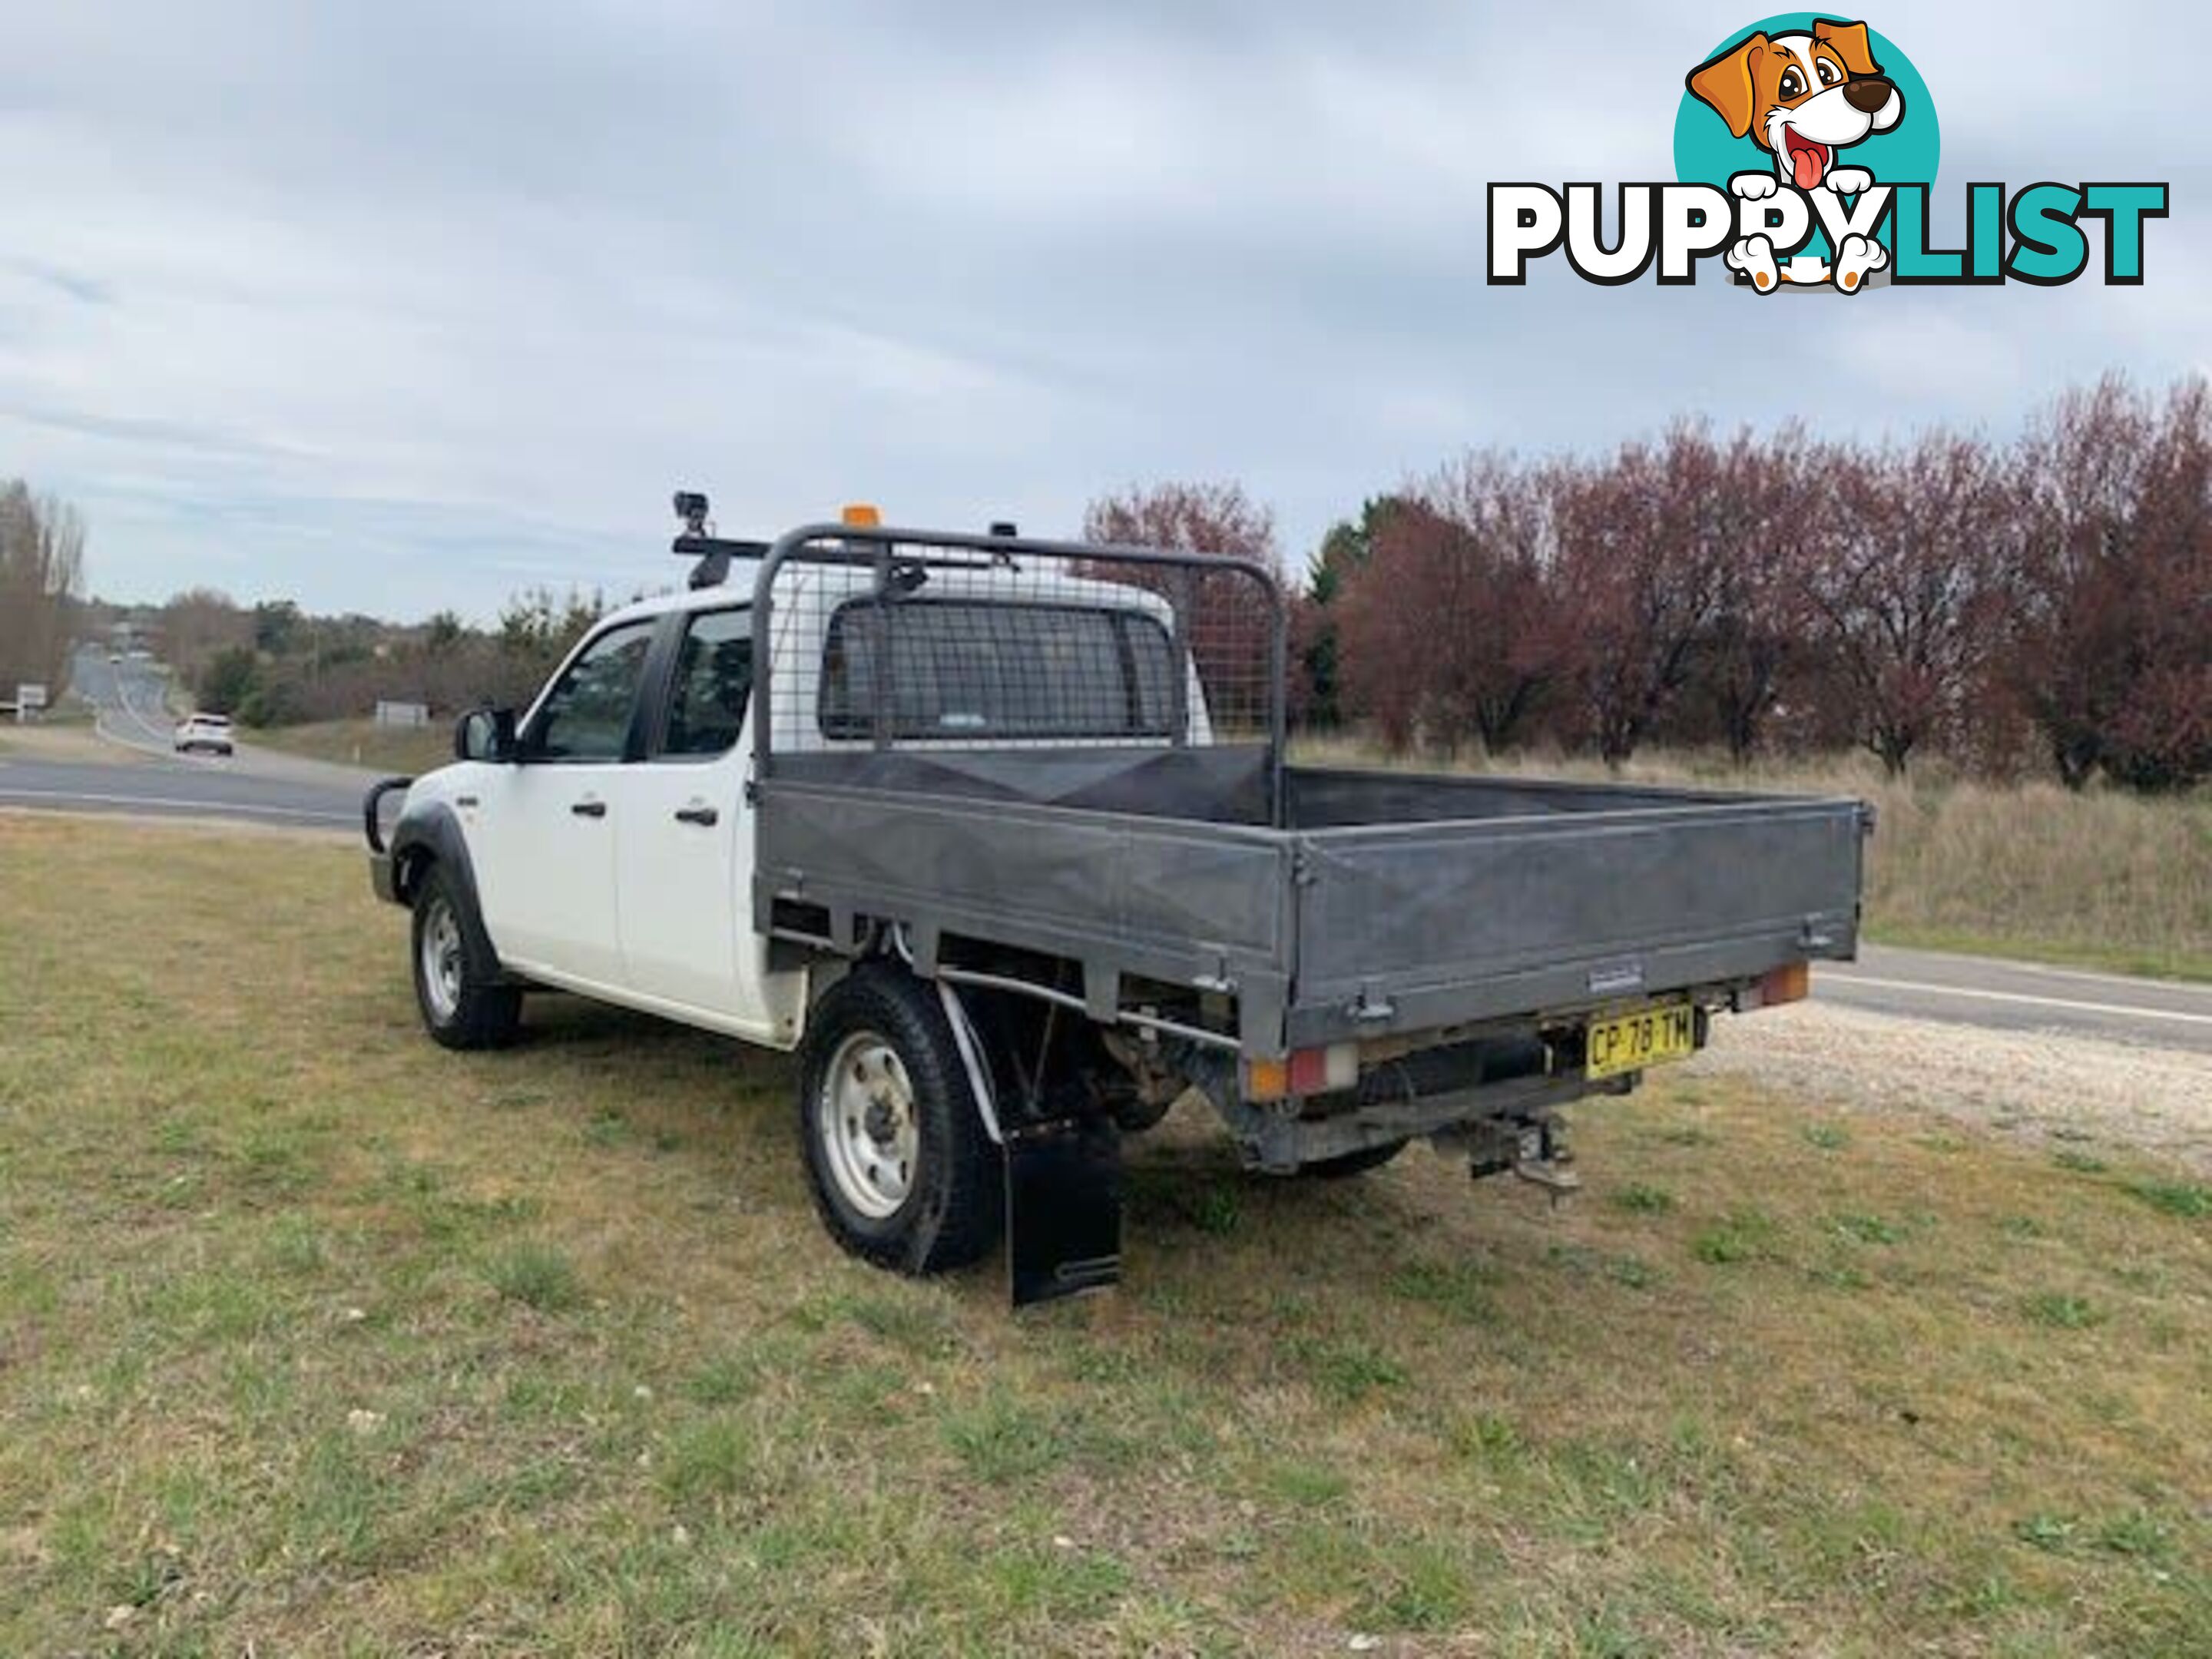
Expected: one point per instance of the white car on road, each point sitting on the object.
(210, 733)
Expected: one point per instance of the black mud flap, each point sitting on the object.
(1063, 1210)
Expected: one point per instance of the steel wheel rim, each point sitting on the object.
(441, 959)
(866, 1126)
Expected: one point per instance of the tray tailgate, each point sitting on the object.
(1468, 920)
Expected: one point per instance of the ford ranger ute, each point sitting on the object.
(1000, 836)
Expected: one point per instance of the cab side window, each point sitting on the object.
(713, 680)
(587, 715)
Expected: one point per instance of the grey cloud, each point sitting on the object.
(413, 304)
(78, 286)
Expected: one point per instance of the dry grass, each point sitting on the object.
(2102, 878)
(67, 740)
(363, 743)
(67, 715)
(315, 1339)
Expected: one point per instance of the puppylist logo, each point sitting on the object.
(1804, 150)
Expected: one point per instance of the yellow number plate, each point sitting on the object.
(1649, 1036)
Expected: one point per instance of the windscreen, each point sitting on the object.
(976, 669)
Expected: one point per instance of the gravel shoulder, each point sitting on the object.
(2037, 1085)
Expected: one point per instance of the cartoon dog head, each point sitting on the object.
(1802, 97)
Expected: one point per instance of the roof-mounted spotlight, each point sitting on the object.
(698, 542)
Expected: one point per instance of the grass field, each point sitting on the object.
(2103, 880)
(364, 743)
(2098, 880)
(70, 719)
(315, 1339)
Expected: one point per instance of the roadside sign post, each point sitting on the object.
(30, 696)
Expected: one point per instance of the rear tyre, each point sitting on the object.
(458, 986)
(1352, 1164)
(901, 1169)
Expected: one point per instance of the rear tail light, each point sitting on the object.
(1792, 983)
(1306, 1072)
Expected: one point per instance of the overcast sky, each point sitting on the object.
(403, 305)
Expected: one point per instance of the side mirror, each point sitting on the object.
(485, 734)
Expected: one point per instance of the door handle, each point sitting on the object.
(588, 809)
(699, 815)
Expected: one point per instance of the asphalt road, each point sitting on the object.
(131, 717)
(130, 712)
(168, 788)
(260, 786)
(2015, 996)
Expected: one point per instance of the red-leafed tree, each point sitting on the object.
(1225, 617)
(1646, 543)
(1767, 525)
(1907, 586)
(1944, 593)
(2112, 611)
(1446, 626)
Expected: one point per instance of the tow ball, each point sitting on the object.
(1543, 1158)
(1534, 1149)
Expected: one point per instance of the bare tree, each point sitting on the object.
(41, 579)
(196, 625)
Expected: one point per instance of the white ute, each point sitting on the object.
(1000, 835)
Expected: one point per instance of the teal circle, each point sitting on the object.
(1706, 153)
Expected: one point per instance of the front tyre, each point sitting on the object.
(901, 1169)
(457, 987)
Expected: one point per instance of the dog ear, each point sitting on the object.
(1725, 83)
(1850, 40)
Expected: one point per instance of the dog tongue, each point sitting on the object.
(1807, 163)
